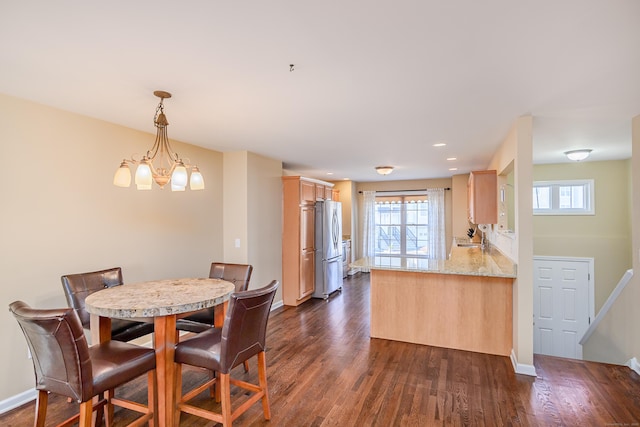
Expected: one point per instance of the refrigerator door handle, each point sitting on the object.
(335, 227)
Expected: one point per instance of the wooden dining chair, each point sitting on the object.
(64, 364)
(238, 274)
(220, 350)
(78, 286)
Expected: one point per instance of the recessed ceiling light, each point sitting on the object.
(439, 144)
(452, 158)
(453, 169)
(329, 173)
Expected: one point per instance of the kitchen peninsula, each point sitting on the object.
(464, 302)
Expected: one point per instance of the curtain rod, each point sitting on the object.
(406, 191)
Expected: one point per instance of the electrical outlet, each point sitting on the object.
(237, 243)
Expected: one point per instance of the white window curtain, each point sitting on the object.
(437, 246)
(369, 228)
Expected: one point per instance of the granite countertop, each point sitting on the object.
(467, 261)
(158, 298)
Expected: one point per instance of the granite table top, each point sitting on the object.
(158, 298)
(466, 261)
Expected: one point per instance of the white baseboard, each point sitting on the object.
(18, 400)
(634, 364)
(277, 304)
(520, 368)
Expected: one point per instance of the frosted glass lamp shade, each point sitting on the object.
(177, 187)
(122, 177)
(179, 176)
(197, 181)
(143, 176)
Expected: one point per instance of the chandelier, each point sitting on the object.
(161, 164)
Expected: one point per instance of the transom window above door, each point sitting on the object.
(570, 197)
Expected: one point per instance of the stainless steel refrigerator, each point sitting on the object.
(328, 248)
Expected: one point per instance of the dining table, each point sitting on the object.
(161, 302)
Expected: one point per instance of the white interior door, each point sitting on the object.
(561, 305)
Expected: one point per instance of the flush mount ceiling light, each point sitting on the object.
(160, 164)
(578, 155)
(384, 170)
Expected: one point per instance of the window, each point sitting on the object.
(402, 226)
(563, 197)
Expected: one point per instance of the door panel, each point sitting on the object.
(307, 274)
(307, 251)
(560, 306)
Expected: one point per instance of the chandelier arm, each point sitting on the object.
(172, 154)
(153, 152)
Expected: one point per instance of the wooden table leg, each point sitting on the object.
(100, 329)
(165, 343)
(219, 313)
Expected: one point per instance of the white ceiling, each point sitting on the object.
(374, 82)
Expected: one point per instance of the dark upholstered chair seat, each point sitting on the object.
(203, 349)
(115, 362)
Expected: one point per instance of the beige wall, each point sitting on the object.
(617, 338)
(605, 236)
(632, 328)
(61, 214)
(234, 207)
(517, 151)
(264, 221)
(347, 195)
(252, 208)
(417, 184)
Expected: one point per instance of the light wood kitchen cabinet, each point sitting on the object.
(307, 250)
(328, 193)
(335, 195)
(298, 236)
(307, 191)
(482, 191)
(471, 313)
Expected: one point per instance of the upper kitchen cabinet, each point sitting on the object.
(298, 236)
(307, 190)
(482, 191)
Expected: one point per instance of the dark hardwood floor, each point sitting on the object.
(324, 370)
